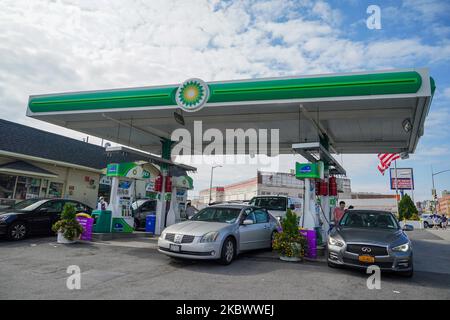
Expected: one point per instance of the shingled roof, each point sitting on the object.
(18, 138)
(25, 167)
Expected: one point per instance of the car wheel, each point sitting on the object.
(228, 251)
(425, 225)
(17, 231)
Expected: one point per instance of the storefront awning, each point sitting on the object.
(26, 169)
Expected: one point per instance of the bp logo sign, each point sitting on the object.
(192, 95)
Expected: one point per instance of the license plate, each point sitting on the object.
(175, 248)
(367, 259)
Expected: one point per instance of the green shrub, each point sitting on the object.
(68, 224)
(289, 242)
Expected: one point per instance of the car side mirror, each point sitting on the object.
(247, 222)
(408, 227)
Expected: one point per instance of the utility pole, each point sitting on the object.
(433, 191)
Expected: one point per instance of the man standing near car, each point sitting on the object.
(338, 212)
(444, 222)
(190, 210)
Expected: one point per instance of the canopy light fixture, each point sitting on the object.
(407, 125)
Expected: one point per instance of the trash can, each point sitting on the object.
(311, 239)
(87, 224)
(150, 222)
(102, 221)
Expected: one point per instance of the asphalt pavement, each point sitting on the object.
(133, 269)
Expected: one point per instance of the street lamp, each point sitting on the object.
(210, 183)
(432, 180)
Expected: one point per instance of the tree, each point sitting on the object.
(407, 209)
(290, 223)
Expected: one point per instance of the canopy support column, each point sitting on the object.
(161, 210)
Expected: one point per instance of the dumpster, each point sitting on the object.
(102, 221)
(150, 222)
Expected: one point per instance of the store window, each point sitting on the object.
(7, 184)
(55, 190)
(27, 188)
(44, 187)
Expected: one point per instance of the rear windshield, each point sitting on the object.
(372, 220)
(270, 203)
(211, 214)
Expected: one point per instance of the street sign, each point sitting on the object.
(404, 180)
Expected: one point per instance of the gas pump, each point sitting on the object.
(180, 186)
(123, 186)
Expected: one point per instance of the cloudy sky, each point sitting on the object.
(67, 45)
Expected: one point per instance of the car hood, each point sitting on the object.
(10, 212)
(362, 235)
(196, 228)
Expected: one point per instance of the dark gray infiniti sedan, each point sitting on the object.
(365, 237)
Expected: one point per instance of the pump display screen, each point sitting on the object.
(124, 184)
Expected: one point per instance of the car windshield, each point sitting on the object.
(212, 214)
(28, 205)
(374, 220)
(270, 203)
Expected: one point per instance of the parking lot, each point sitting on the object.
(133, 269)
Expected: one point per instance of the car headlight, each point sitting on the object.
(401, 248)
(3, 218)
(163, 236)
(210, 237)
(335, 242)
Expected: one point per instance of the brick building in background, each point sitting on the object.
(265, 183)
(443, 205)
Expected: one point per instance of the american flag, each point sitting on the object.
(385, 160)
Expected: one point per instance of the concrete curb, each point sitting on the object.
(121, 236)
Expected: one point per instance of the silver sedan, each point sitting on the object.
(365, 237)
(219, 232)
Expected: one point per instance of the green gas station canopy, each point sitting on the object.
(360, 112)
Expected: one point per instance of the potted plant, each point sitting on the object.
(68, 228)
(289, 243)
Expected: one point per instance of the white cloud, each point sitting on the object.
(55, 46)
(446, 93)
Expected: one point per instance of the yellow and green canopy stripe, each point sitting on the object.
(240, 91)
